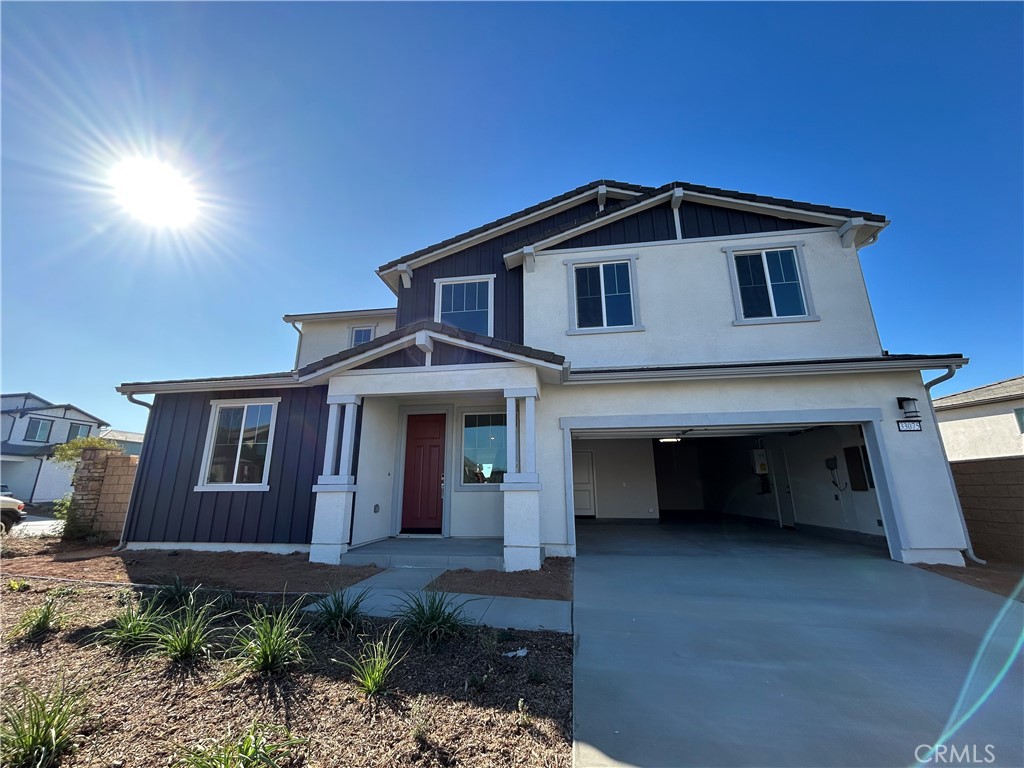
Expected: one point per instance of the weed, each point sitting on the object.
(476, 682)
(65, 591)
(185, 635)
(272, 641)
(133, 627)
(36, 622)
(259, 745)
(375, 662)
(489, 643)
(126, 596)
(18, 585)
(432, 617)
(39, 728)
(523, 717)
(340, 613)
(421, 723)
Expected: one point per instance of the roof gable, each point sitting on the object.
(1008, 389)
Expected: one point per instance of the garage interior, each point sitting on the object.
(810, 478)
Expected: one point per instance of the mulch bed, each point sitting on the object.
(552, 582)
(250, 571)
(458, 706)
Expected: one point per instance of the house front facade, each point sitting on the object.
(30, 428)
(615, 353)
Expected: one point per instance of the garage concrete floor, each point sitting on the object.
(721, 645)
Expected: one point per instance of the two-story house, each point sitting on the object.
(617, 352)
(30, 427)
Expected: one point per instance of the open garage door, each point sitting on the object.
(813, 478)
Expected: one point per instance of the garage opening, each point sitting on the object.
(815, 479)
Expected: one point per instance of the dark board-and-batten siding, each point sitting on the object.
(166, 508)
(417, 302)
(695, 220)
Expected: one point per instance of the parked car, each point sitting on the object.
(5, 490)
(12, 512)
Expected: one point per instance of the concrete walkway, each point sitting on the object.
(750, 647)
(38, 525)
(388, 588)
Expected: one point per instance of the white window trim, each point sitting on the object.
(634, 290)
(204, 469)
(372, 328)
(731, 252)
(439, 281)
(461, 414)
(49, 431)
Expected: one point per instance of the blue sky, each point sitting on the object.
(327, 139)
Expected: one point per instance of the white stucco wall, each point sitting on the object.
(624, 478)
(910, 468)
(984, 431)
(686, 307)
(321, 338)
(19, 475)
(376, 472)
(54, 481)
(58, 432)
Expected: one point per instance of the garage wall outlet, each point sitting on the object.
(879, 523)
(837, 497)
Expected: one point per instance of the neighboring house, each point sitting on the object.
(984, 422)
(130, 442)
(617, 352)
(30, 427)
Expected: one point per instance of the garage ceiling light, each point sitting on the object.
(669, 439)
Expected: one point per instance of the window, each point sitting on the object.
(769, 284)
(483, 449)
(466, 303)
(77, 430)
(603, 296)
(38, 430)
(1019, 413)
(362, 335)
(238, 445)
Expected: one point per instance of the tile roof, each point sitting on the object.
(17, 449)
(54, 406)
(1008, 389)
(499, 345)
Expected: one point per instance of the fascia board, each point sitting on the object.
(760, 371)
(143, 388)
(357, 360)
(510, 356)
(353, 314)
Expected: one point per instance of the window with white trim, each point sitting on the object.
(603, 295)
(239, 444)
(769, 284)
(76, 431)
(38, 430)
(466, 303)
(484, 449)
(362, 335)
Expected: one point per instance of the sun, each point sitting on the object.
(154, 192)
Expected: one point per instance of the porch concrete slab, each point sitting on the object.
(409, 579)
(524, 613)
(728, 647)
(429, 552)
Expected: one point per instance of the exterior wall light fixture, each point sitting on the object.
(909, 407)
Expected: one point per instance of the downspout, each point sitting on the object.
(298, 347)
(124, 530)
(949, 374)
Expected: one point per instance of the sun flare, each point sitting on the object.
(154, 192)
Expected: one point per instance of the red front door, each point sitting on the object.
(423, 495)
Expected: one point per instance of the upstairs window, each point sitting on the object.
(361, 335)
(78, 430)
(603, 296)
(38, 430)
(466, 303)
(238, 445)
(769, 284)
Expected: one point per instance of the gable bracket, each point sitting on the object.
(602, 195)
(405, 272)
(848, 231)
(529, 258)
(677, 200)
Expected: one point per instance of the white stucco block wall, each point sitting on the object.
(685, 304)
(909, 468)
(983, 431)
(378, 443)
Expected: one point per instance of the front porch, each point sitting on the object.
(449, 554)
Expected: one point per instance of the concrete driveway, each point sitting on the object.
(712, 646)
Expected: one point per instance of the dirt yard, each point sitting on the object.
(458, 706)
(552, 582)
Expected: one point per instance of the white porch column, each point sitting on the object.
(336, 487)
(521, 489)
(510, 436)
(525, 469)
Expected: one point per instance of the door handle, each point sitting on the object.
(442, 486)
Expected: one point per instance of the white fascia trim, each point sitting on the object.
(274, 549)
(209, 386)
(490, 351)
(347, 314)
(781, 210)
(757, 236)
(612, 376)
(468, 242)
(357, 360)
(421, 369)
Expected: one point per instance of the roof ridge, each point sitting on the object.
(978, 388)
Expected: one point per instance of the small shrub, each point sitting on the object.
(37, 729)
(221, 599)
(340, 613)
(62, 592)
(272, 641)
(259, 745)
(184, 635)
(476, 683)
(63, 506)
(18, 585)
(175, 593)
(37, 621)
(70, 453)
(375, 662)
(420, 722)
(133, 627)
(126, 596)
(523, 716)
(432, 617)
